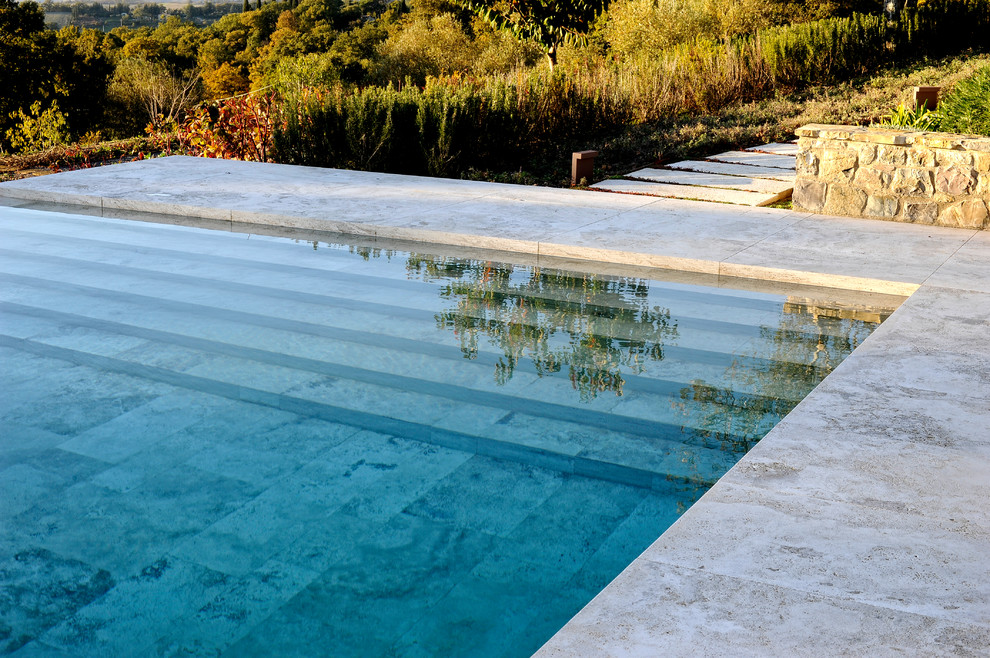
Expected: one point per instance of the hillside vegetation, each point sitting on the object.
(467, 88)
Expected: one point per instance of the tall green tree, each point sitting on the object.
(44, 67)
(550, 23)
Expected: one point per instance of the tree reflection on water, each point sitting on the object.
(811, 339)
(600, 330)
(595, 327)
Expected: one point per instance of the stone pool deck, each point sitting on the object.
(859, 525)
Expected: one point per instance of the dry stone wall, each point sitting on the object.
(899, 175)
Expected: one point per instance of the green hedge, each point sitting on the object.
(444, 128)
(966, 108)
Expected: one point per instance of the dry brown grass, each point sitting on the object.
(746, 124)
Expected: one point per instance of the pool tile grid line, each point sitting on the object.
(899, 430)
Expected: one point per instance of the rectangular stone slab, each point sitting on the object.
(781, 148)
(679, 177)
(730, 169)
(722, 195)
(755, 158)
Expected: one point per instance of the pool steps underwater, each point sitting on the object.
(286, 353)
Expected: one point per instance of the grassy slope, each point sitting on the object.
(855, 102)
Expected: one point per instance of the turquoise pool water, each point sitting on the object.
(220, 443)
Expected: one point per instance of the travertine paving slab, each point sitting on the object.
(797, 548)
(730, 169)
(881, 467)
(659, 609)
(783, 148)
(673, 234)
(968, 267)
(720, 195)
(853, 248)
(756, 159)
(681, 177)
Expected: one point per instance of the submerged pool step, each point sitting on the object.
(728, 336)
(185, 325)
(155, 312)
(568, 463)
(706, 311)
(127, 240)
(406, 395)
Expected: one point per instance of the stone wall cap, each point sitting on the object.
(895, 136)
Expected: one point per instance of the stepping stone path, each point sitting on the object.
(757, 176)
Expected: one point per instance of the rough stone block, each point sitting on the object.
(920, 212)
(892, 155)
(872, 180)
(912, 182)
(914, 176)
(807, 163)
(941, 141)
(845, 200)
(945, 158)
(867, 154)
(809, 194)
(810, 131)
(838, 164)
(972, 213)
(979, 145)
(881, 206)
(843, 133)
(955, 180)
(885, 136)
(921, 157)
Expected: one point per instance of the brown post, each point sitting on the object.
(926, 97)
(582, 164)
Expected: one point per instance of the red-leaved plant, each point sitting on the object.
(239, 128)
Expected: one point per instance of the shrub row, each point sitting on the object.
(443, 128)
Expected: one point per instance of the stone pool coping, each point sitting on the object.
(859, 524)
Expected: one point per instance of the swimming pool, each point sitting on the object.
(221, 442)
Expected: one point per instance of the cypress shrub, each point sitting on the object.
(825, 50)
(444, 128)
